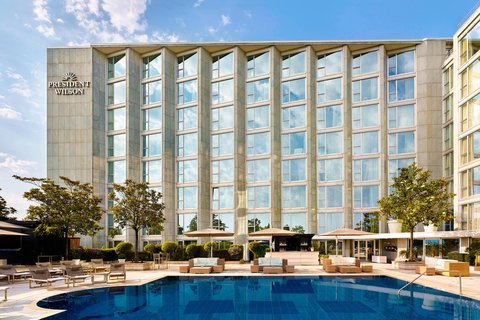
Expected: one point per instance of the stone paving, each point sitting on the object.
(21, 304)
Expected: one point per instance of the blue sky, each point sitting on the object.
(27, 28)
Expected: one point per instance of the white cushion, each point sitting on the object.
(204, 262)
(437, 262)
(338, 260)
(270, 262)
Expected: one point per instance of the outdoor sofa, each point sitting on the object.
(203, 265)
(343, 265)
(271, 265)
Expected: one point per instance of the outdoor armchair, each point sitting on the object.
(42, 276)
(76, 274)
(117, 270)
(12, 273)
(98, 265)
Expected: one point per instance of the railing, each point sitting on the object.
(421, 274)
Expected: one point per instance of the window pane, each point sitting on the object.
(329, 117)
(365, 117)
(117, 145)
(293, 64)
(187, 171)
(293, 90)
(222, 118)
(152, 145)
(258, 221)
(222, 144)
(329, 64)
(329, 143)
(152, 171)
(258, 143)
(117, 119)
(186, 145)
(294, 170)
(152, 66)
(293, 117)
(365, 63)
(222, 171)
(258, 117)
(258, 197)
(152, 92)
(258, 91)
(116, 66)
(258, 170)
(186, 198)
(187, 118)
(294, 197)
(296, 222)
(329, 90)
(116, 92)
(187, 91)
(258, 65)
(187, 65)
(330, 169)
(152, 118)
(222, 65)
(222, 91)
(294, 143)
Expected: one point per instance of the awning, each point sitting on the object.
(406, 235)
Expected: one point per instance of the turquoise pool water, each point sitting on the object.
(265, 298)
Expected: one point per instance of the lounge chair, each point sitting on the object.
(117, 270)
(98, 265)
(76, 274)
(204, 265)
(11, 273)
(42, 276)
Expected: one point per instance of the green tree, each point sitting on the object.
(298, 229)
(64, 210)
(137, 207)
(417, 199)
(5, 211)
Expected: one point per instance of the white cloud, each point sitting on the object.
(226, 20)
(41, 11)
(2, 97)
(60, 20)
(15, 165)
(198, 3)
(47, 31)
(7, 112)
(19, 87)
(164, 37)
(212, 30)
(125, 15)
(13, 75)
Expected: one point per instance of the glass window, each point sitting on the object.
(365, 142)
(258, 197)
(186, 198)
(330, 196)
(296, 222)
(222, 144)
(222, 65)
(222, 171)
(293, 64)
(293, 117)
(258, 91)
(447, 80)
(399, 90)
(469, 44)
(223, 221)
(152, 92)
(152, 171)
(395, 165)
(330, 143)
(448, 108)
(222, 91)
(258, 117)
(365, 116)
(116, 92)
(470, 147)
(152, 66)
(401, 116)
(470, 79)
(258, 143)
(294, 170)
(187, 118)
(187, 91)
(365, 169)
(329, 117)
(222, 118)
(365, 63)
(365, 196)
(401, 142)
(401, 63)
(187, 222)
(329, 90)
(367, 222)
(117, 66)
(329, 63)
(448, 137)
(117, 171)
(117, 119)
(258, 170)
(222, 198)
(470, 113)
(152, 118)
(330, 169)
(187, 171)
(152, 145)
(258, 221)
(117, 145)
(366, 89)
(329, 221)
(186, 144)
(258, 64)
(293, 90)
(294, 143)
(448, 165)
(187, 65)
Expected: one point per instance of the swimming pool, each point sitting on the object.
(225, 298)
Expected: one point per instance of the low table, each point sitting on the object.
(104, 274)
(349, 269)
(272, 270)
(330, 268)
(254, 268)
(367, 269)
(201, 270)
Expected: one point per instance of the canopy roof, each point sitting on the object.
(345, 232)
(272, 232)
(11, 233)
(6, 225)
(209, 232)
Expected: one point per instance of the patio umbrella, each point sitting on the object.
(6, 225)
(11, 233)
(344, 232)
(271, 232)
(211, 233)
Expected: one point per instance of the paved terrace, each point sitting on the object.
(21, 304)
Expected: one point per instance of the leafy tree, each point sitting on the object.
(4, 210)
(298, 229)
(64, 210)
(137, 207)
(417, 199)
(218, 223)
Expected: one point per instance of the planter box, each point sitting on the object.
(394, 226)
(138, 266)
(430, 228)
(406, 265)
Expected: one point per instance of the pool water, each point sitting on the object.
(265, 298)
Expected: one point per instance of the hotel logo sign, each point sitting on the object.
(69, 85)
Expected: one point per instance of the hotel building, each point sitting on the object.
(240, 136)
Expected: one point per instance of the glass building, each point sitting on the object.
(239, 137)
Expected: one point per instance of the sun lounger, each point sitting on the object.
(75, 274)
(42, 276)
(11, 273)
(117, 270)
(5, 292)
(98, 265)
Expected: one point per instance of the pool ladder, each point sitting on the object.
(423, 273)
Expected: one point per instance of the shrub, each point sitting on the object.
(124, 247)
(455, 255)
(77, 253)
(169, 248)
(258, 249)
(143, 256)
(194, 250)
(150, 249)
(235, 251)
(221, 254)
(158, 248)
(208, 246)
(93, 253)
(179, 253)
(109, 254)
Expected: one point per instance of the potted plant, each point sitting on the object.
(429, 226)
(321, 257)
(474, 250)
(395, 225)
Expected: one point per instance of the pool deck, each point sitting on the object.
(21, 304)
